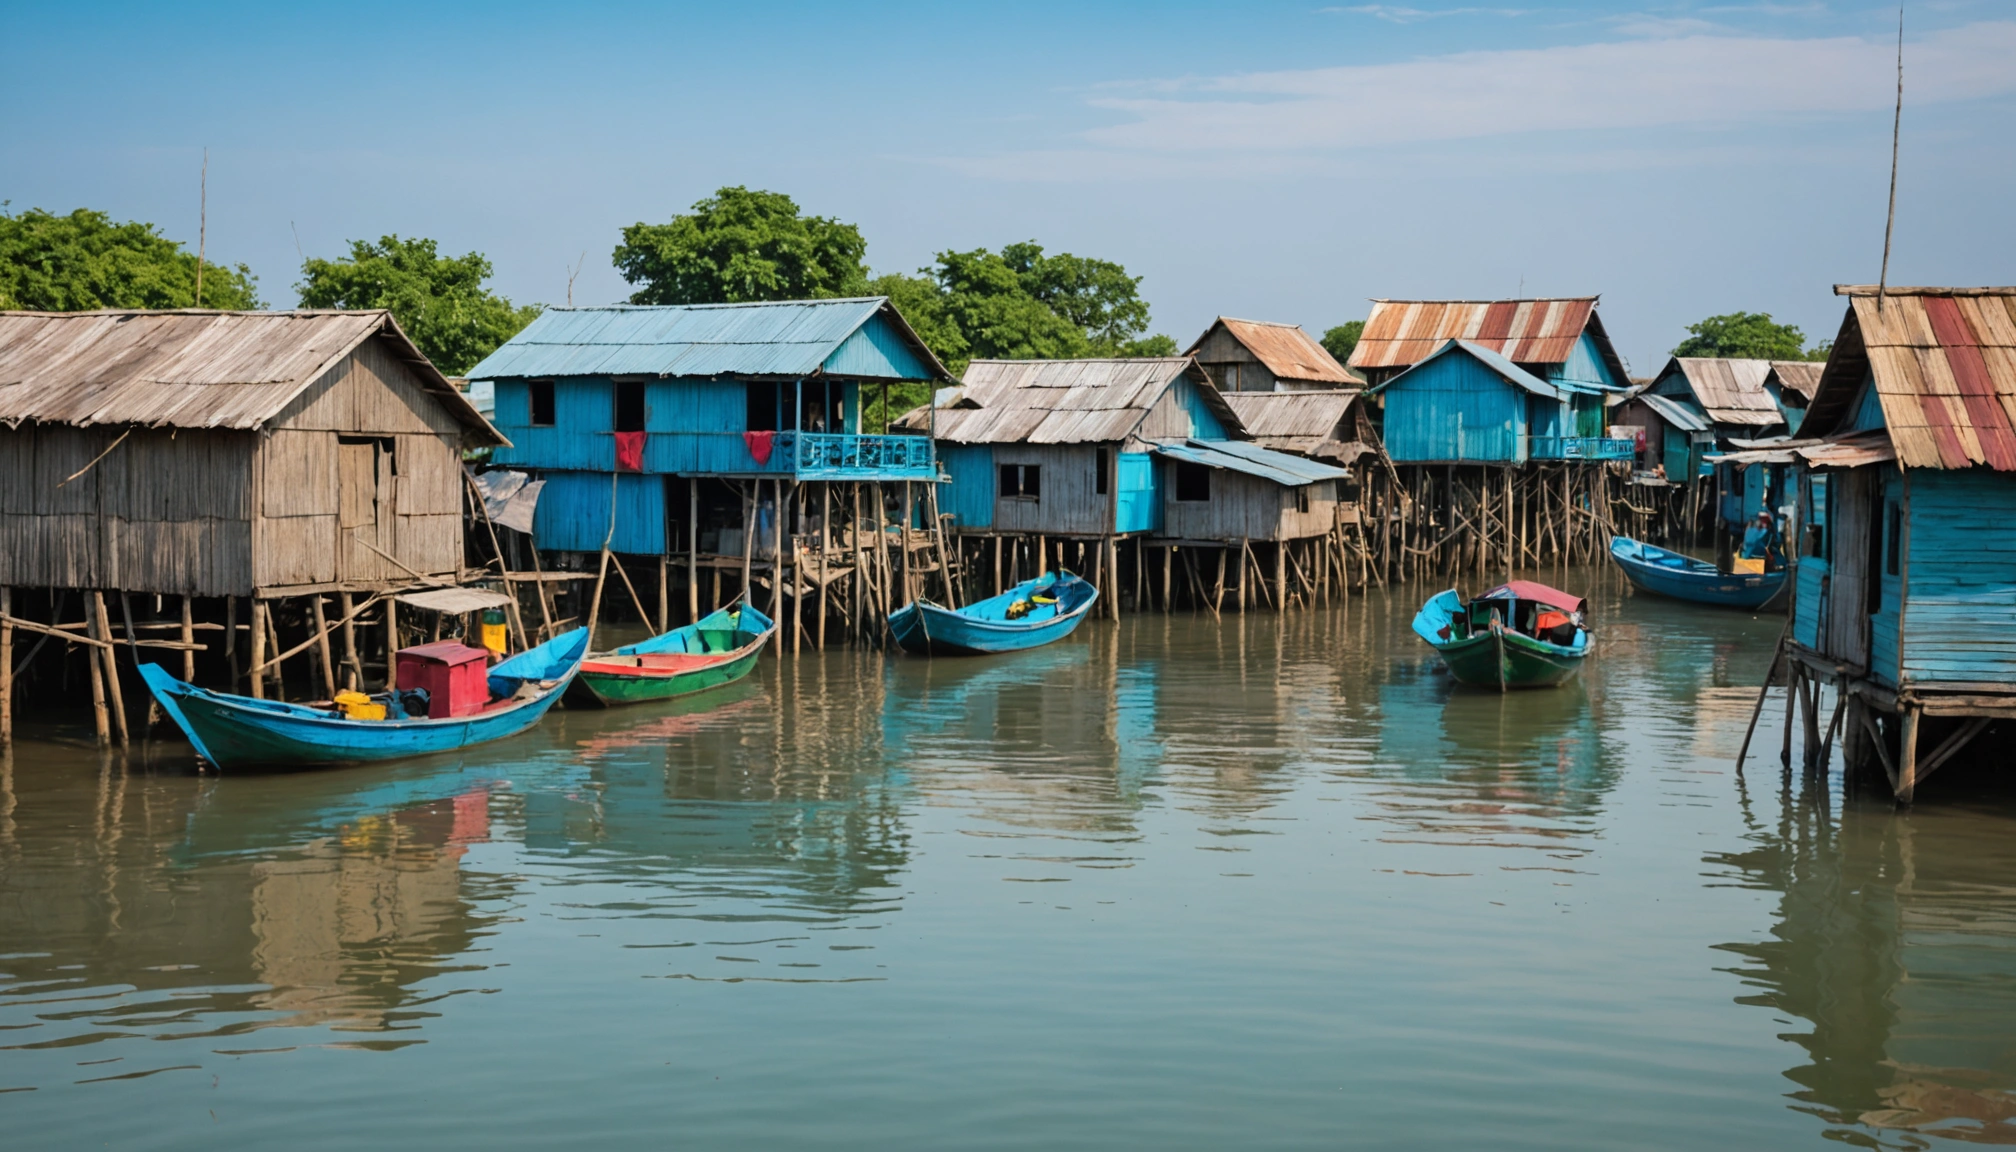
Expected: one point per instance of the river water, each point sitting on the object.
(1176, 883)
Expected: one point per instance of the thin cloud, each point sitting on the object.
(1638, 83)
(1400, 14)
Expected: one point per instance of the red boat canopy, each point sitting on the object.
(1530, 590)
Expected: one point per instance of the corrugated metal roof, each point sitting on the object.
(1252, 459)
(1404, 332)
(783, 338)
(1798, 376)
(1944, 365)
(190, 368)
(1730, 391)
(1067, 401)
(1306, 423)
(1678, 413)
(1288, 351)
(1851, 451)
(1513, 374)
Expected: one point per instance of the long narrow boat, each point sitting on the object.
(1667, 573)
(717, 649)
(233, 732)
(1029, 615)
(1508, 637)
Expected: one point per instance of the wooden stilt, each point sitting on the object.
(101, 718)
(1281, 576)
(908, 518)
(7, 665)
(777, 556)
(108, 655)
(825, 550)
(997, 565)
(353, 664)
(1907, 757)
(1168, 563)
(664, 591)
(188, 639)
(750, 499)
(797, 567)
(1239, 596)
(693, 550)
(328, 662)
(392, 644)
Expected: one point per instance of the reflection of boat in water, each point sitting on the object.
(1542, 753)
(1686, 578)
(1029, 615)
(1895, 941)
(1517, 635)
(233, 731)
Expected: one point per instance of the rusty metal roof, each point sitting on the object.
(1943, 362)
(1068, 401)
(190, 368)
(1730, 391)
(1288, 351)
(1400, 333)
(1301, 422)
(1850, 451)
(1800, 377)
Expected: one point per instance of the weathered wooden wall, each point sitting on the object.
(1231, 365)
(1247, 507)
(1070, 504)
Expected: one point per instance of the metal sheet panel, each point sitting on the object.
(1400, 333)
(1288, 351)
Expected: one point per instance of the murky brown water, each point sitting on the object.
(1174, 884)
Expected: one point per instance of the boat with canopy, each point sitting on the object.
(1520, 634)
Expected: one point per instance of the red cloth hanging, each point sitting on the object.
(629, 451)
(760, 444)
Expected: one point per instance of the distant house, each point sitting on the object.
(1906, 565)
(1556, 340)
(1467, 404)
(1729, 392)
(1329, 425)
(1673, 435)
(639, 402)
(1258, 356)
(1791, 384)
(1104, 448)
(259, 454)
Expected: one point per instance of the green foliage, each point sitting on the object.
(739, 246)
(1021, 304)
(439, 300)
(1749, 336)
(51, 263)
(1340, 341)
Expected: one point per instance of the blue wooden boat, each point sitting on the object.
(1518, 635)
(1667, 573)
(233, 732)
(1029, 615)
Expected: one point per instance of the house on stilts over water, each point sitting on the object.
(729, 447)
(1130, 472)
(1261, 356)
(197, 487)
(1905, 581)
(1494, 416)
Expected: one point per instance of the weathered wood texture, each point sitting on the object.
(1070, 503)
(1249, 507)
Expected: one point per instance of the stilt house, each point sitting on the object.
(1330, 425)
(1467, 404)
(1905, 592)
(1258, 356)
(262, 454)
(1556, 340)
(1791, 384)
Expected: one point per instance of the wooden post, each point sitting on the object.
(351, 661)
(692, 550)
(1168, 563)
(101, 720)
(997, 565)
(115, 696)
(664, 592)
(854, 591)
(231, 640)
(279, 672)
(797, 568)
(751, 498)
(777, 551)
(188, 639)
(1281, 576)
(321, 625)
(1240, 598)
(825, 550)
(7, 665)
(1042, 555)
(1113, 575)
(392, 643)
(1907, 757)
(907, 517)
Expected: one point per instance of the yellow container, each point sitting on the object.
(493, 638)
(358, 706)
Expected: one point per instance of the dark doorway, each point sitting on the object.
(762, 406)
(629, 406)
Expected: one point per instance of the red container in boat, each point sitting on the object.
(454, 675)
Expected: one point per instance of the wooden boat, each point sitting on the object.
(717, 649)
(1029, 615)
(1502, 639)
(233, 732)
(1666, 573)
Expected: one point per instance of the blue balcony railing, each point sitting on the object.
(833, 456)
(1581, 448)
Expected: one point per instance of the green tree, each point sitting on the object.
(439, 300)
(1749, 336)
(1340, 341)
(741, 245)
(73, 263)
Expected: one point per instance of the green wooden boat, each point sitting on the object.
(717, 649)
(1517, 635)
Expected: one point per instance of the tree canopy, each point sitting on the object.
(1339, 341)
(439, 300)
(739, 246)
(86, 260)
(1023, 304)
(1749, 336)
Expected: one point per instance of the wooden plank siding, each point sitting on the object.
(1231, 365)
(1455, 410)
(1070, 504)
(1247, 507)
(1961, 571)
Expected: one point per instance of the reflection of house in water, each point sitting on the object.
(1901, 957)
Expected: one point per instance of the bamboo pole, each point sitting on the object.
(854, 591)
(907, 517)
(1281, 575)
(750, 498)
(188, 634)
(328, 662)
(777, 552)
(664, 592)
(351, 660)
(392, 643)
(693, 550)
(101, 719)
(6, 666)
(825, 550)
(116, 696)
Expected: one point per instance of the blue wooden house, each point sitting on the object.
(1905, 587)
(634, 403)
(1467, 404)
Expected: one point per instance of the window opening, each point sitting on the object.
(1021, 482)
(1893, 541)
(1100, 484)
(541, 393)
(1302, 499)
(1193, 481)
(629, 406)
(762, 406)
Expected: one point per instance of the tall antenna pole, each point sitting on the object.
(1896, 130)
(202, 226)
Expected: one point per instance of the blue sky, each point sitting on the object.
(1270, 161)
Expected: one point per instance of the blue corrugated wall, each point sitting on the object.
(1139, 506)
(876, 349)
(1883, 625)
(1868, 409)
(573, 514)
(1960, 613)
(1585, 365)
(969, 498)
(1453, 408)
(1809, 607)
(1203, 424)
